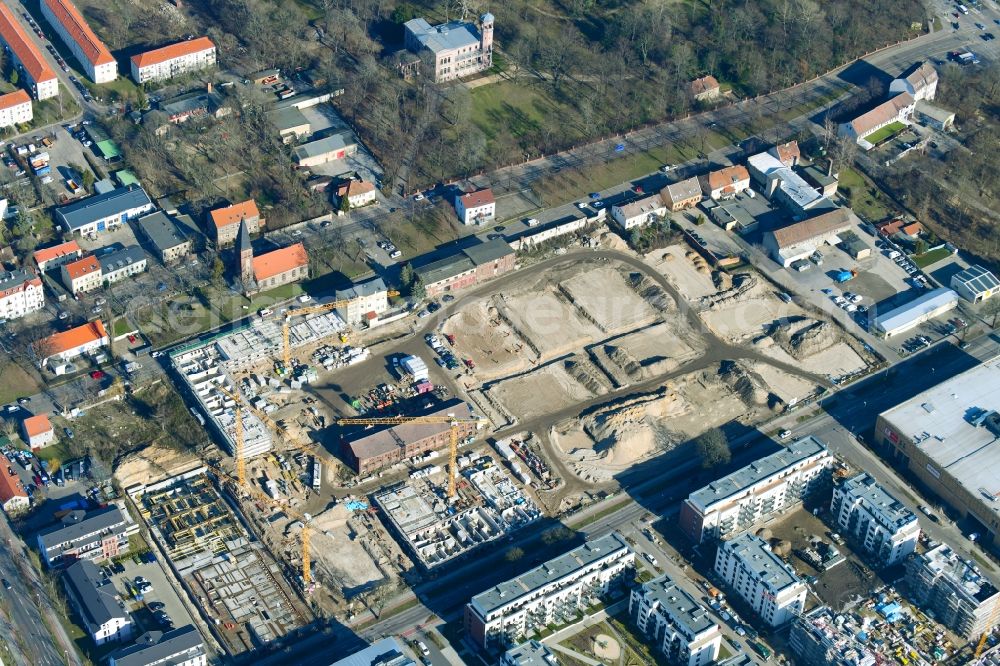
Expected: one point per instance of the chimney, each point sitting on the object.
(829, 167)
(208, 86)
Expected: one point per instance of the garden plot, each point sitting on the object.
(606, 300)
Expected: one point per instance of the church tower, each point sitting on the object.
(245, 252)
(486, 39)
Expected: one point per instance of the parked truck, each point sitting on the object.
(845, 276)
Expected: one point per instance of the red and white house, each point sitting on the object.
(87, 48)
(37, 431)
(21, 293)
(168, 61)
(15, 108)
(477, 207)
(59, 349)
(57, 255)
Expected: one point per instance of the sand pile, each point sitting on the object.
(613, 242)
(152, 464)
(806, 339)
(624, 360)
(742, 283)
(745, 383)
(585, 373)
(630, 431)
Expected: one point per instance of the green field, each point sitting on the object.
(863, 197)
(927, 258)
(517, 108)
(877, 137)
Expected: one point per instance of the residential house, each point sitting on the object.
(96, 602)
(57, 255)
(95, 58)
(787, 153)
(469, 266)
(882, 526)
(562, 587)
(681, 195)
(21, 294)
(166, 237)
(13, 498)
(726, 183)
(897, 109)
(706, 89)
(120, 263)
(364, 298)
(25, 56)
(177, 647)
(101, 212)
(191, 105)
(477, 207)
(920, 81)
(169, 61)
(638, 212)
(82, 535)
(451, 50)
(975, 284)
(37, 431)
(357, 192)
(58, 349)
(334, 147)
(797, 241)
(225, 222)
(15, 108)
(675, 622)
(82, 275)
(762, 579)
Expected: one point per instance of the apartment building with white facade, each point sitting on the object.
(26, 57)
(15, 108)
(172, 60)
(881, 524)
(95, 535)
(82, 275)
(761, 578)
(943, 583)
(762, 490)
(451, 50)
(96, 602)
(120, 263)
(552, 593)
(363, 298)
(675, 623)
(92, 54)
(21, 293)
(177, 647)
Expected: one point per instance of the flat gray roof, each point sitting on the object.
(96, 594)
(288, 118)
(444, 268)
(508, 591)
(690, 616)
(155, 647)
(161, 231)
(444, 37)
(360, 289)
(904, 316)
(746, 477)
(531, 653)
(765, 566)
(322, 146)
(889, 510)
(386, 652)
(86, 211)
(483, 253)
(944, 422)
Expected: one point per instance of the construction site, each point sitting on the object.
(488, 506)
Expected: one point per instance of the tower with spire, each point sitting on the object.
(245, 253)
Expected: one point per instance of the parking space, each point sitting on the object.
(162, 598)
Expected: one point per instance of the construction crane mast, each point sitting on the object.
(450, 419)
(286, 348)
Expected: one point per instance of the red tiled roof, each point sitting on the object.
(72, 20)
(280, 261)
(478, 198)
(16, 98)
(912, 229)
(704, 84)
(888, 110)
(890, 228)
(788, 152)
(37, 425)
(49, 253)
(834, 221)
(223, 217)
(83, 266)
(9, 488)
(171, 51)
(355, 187)
(25, 50)
(727, 177)
(71, 339)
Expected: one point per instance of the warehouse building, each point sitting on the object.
(950, 587)
(370, 450)
(321, 151)
(469, 266)
(882, 525)
(548, 594)
(782, 184)
(797, 241)
(928, 305)
(761, 578)
(102, 212)
(946, 437)
(675, 623)
(975, 284)
(762, 490)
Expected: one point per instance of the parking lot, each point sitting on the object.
(144, 611)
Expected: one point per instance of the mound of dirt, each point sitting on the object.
(745, 383)
(152, 464)
(586, 375)
(742, 283)
(808, 339)
(624, 360)
(630, 431)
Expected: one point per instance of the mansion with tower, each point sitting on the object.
(452, 50)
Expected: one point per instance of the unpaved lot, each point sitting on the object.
(537, 393)
(674, 264)
(606, 300)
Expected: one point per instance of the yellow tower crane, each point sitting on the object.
(286, 348)
(450, 419)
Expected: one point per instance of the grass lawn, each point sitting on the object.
(518, 107)
(864, 197)
(182, 316)
(122, 326)
(927, 258)
(881, 135)
(56, 454)
(16, 383)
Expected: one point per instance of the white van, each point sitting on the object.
(963, 9)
